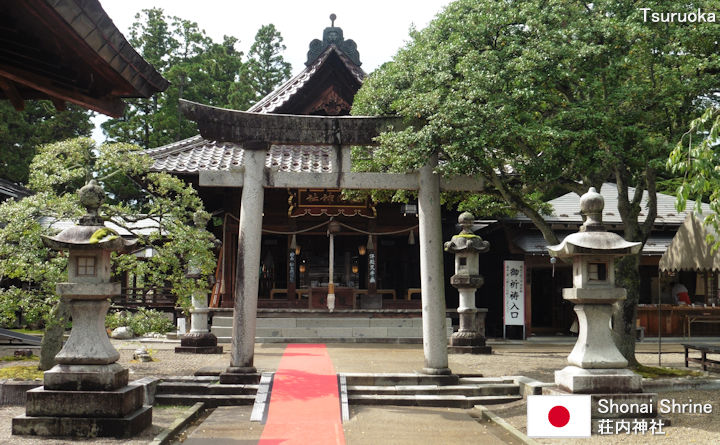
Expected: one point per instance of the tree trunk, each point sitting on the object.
(627, 275)
(53, 338)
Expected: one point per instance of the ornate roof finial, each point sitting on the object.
(333, 35)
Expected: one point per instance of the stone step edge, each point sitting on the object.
(381, 340)
(431, 400)
(210, 401)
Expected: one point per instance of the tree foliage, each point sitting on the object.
(696, 161)
(198, 69)
(538, 95)
(267, 68)
(168, 206)
(22, 132)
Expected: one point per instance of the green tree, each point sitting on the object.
(539, 96)
(22, 132)
(29, 271)
(267, 68)
(695, 161)
(197, 68)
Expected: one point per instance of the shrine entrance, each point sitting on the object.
(257, 134)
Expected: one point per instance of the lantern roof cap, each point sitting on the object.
(593, 239)
(466, 240)
(90, 233)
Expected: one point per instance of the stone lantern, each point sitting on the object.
(467, 248)
(199, 340)
(596, 364)
(87, 392)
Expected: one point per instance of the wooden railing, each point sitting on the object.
(150, 297)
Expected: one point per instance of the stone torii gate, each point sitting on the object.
(256, 132)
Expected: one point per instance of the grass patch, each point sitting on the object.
(654, 372)
(13, 358)
(21, 373)
(29, 331)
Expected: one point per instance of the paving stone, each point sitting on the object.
(376, 332)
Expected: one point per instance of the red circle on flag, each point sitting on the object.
(559, 416)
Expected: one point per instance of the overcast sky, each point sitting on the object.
(379, 27)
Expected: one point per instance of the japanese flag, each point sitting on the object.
(558, 416)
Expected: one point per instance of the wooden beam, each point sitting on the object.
(113, 107)
(241, 126)
(12, 94)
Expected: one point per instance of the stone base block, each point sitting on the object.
(13, 392)
(468, 342)
(199, 350)
(99, 404)
(598, 381)
(126, 426)
(85, 377)
(198, 339)
(470, 349)
(239, 378)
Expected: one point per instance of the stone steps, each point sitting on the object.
(428, 390)
(466, 390)
(448, 401)
(204, 389)
(331, 329)
(190, 390)
(210, 400)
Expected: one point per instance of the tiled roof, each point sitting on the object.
(192, 155)
(284, 92)
(89, 20)
(12, 190)
(534, 244)
(566, 208)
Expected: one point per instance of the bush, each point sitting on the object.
(141, 322)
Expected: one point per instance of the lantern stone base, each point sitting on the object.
(468, 343)
(595, 381)
(117, 413)
(85, 377)
(127, 426)
(240, 376)
(199, 343)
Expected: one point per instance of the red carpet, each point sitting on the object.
(304, 404)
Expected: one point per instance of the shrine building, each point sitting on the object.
(376, 250)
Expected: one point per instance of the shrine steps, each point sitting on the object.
(397, 389)
(422, 390)
(337, 329)
(190, 390)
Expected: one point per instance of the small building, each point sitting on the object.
(546, 313)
